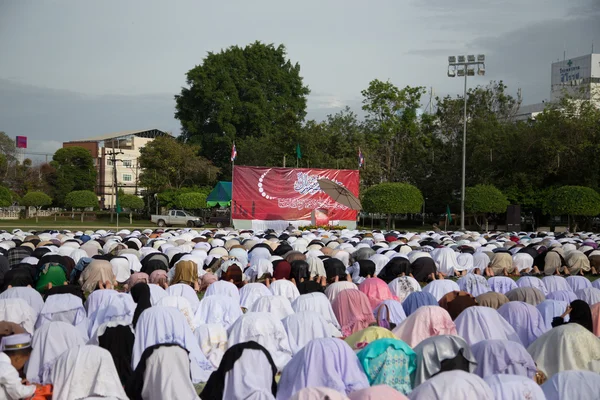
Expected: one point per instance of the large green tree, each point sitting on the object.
(240, 93)
(74, 170)
(170, 164)
(36, 199)
(392, 198)
(81, 199)
(393, 125)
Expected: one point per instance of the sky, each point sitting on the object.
(76, 69)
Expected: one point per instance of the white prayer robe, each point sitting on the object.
(10, 383)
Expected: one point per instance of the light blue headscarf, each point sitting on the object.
(389, 362)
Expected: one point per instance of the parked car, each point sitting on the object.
(177, 217)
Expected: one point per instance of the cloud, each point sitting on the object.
(49, 117)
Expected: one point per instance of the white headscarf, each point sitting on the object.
(156, 293)
(186, 291)
(251, 292)
(120, 267)
(316, 267)
(212, 339)
(571, 385)
(285, 288)
(250, 378)
(167, 325)
(167, 375)
(318, 303)
(266, 330)
(118, 309)
(279, 306)
(303, 327)
(181, 304)
(223, 288)
(30, 295)
(380, 261)
(218, 309)
(48, 343)
(258, 269)
(85, 371)
(19, 312)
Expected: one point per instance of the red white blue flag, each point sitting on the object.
(361, 159)
(233, 153)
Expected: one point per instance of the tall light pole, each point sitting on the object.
(465, 66)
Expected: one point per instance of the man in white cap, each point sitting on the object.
(16, 350)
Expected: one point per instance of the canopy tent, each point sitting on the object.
(220, 195)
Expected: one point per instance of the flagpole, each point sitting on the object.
(231, 204)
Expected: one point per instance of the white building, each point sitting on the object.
(577, 77)
(117, 154)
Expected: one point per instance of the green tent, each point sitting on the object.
(220, 195)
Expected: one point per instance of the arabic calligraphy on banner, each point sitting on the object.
(288, 194)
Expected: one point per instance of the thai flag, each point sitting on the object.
(233, 153)
(361, 159)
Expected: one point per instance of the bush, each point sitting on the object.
(392, 198)
(482, 199)
(191, 201)
(574, 200)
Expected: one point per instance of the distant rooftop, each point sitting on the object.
(145, 133)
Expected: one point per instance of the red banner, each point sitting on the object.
(289, 194)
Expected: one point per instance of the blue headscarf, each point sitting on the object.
(389, 362)
(416, 300)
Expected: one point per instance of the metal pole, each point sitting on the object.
(464, 160)
(232, 186)
(424, 211)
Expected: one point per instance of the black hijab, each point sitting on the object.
(135, 383)
(299, 271)
(394, 268)
(153, 265)
(581, 314)
(20, 275)
(366, 268)
(118, 340)
(75, 290)
(333, 268)
(422, 268)
(216, 383)
(141, 295)
(309, 287)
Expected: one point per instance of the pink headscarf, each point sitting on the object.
(157, 275)
(376, 393)
(377, 291)
(137, 278)
(425, 322)
(353, 311)
(596, 318)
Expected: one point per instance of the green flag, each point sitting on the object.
(119, 209)
(298, 152)
(448, 214)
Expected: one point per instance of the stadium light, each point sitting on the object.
(465, 66)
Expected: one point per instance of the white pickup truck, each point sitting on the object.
(177, 217)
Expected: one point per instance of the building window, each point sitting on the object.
(109, 162)
(127, 178)
(127, 163)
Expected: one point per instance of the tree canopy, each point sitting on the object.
(74, 170)
(481, 199)
(574, 200)
(36, 199)
(130, 201)
(169, 164)
(392, 198)
(81, 199)
(238, 94)
(191, 201)
(6, 197)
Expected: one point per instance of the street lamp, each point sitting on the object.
(465, 66)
